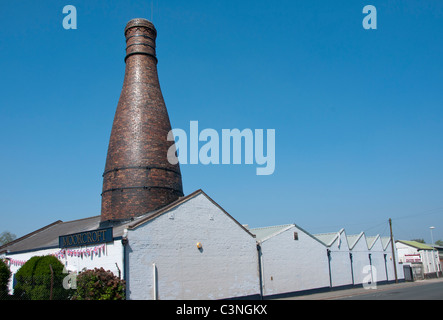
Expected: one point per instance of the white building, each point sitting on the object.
(360, 263)
(45, 241)
(410, 252)
(339, 258)
(291, 260)
(191, 249)
(378, 259)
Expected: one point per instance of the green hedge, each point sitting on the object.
(33, 280)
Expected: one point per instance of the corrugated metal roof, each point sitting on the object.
(266, 232)
(327, 238)
(370, 240)
(353, 239)
(385, 241)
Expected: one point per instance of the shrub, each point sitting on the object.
(99, 284)
(5, 274)
(34, 280)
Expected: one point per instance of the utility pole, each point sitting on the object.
(393, 251)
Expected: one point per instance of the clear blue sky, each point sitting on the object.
(358, 113)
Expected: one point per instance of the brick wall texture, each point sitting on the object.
(138, 177)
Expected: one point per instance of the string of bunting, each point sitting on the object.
(15, 262)
(64, 253)
(87, 252)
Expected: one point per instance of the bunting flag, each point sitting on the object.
(18, 263)
(82, 253)
(64, 253)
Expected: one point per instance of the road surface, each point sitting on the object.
(429, 290)
(418, 290)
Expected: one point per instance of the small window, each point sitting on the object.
(295, 235)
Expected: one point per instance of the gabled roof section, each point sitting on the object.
(265, 233)
(150, 216)
(353, 239)
(329, 238)
(415, 244)
(385, 242)
(371, 240)
(268, 232)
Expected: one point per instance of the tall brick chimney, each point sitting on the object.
(138, 177)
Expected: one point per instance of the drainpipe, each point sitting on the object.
(328, 252)
(124, 262)
(352, 268)
(260, 269)
(385, 258)
(154, 273)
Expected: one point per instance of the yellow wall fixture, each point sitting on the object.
(199, 245)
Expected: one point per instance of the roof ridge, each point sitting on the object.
(324, 233)
(268, 227)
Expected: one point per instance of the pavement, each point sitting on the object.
(355, 292)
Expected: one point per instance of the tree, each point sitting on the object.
(36, 281)
(419, 240)
(5, 274)
(6, 237)
(99, 284)
(439, 242)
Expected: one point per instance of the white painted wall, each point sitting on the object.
(378, 263)
(430, 261)
(403, 249)
(290, 265)
(340, 262)
(360, 260)
(226, 266)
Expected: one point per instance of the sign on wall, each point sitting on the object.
(85, 238)
(412, 258)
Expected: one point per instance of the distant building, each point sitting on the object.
(419, 256)
(440, 252)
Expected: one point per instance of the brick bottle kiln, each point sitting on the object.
(138, 177)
